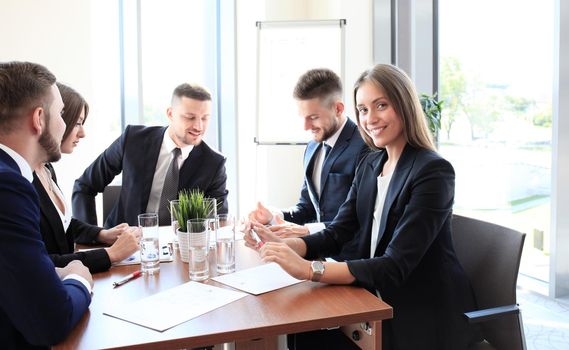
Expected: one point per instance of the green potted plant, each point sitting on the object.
(192, 205)
(433, 109)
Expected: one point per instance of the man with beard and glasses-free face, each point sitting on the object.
(330, 159)
(39, 304)
(156, 163)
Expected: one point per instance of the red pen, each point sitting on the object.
(256, 238)
(127, 278)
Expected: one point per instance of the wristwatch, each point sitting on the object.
(317, 270)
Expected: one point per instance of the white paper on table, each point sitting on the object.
(174, 306)
(258, 280)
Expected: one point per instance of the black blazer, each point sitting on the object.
(37, 309)
(414, 268)
(135, 154)
(59, 243)
(338, 171)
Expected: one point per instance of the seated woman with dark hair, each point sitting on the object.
(59, 230)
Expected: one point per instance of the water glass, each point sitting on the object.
(198, 231)
(149, 243)
(211, 215)
(225, 243)
(174, 208)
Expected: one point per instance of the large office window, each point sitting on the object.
(496, 75)
(177, 45)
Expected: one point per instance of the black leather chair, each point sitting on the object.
(490, 255)
(110, 197)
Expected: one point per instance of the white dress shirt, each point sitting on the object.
(162, 164)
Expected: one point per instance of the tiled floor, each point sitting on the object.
(546, 320)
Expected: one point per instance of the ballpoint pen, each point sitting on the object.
(127, 278)
(256, 238)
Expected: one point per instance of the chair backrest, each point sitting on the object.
(490, 255)
(110, 197)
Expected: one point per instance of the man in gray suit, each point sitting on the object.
(330, 159)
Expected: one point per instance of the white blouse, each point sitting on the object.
(382, 186)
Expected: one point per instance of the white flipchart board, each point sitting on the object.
(285, 50)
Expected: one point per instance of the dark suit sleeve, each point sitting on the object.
(303, 211)
(95, 178)
(330, 241)
(84, 233)
(218, 189)
(428, 206)
(39, 306)
(364, 151)
(97, 260)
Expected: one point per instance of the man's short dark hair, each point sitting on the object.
(193, 91)
(23, 87)
(318, 83)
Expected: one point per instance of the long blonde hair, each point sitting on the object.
(400, 91)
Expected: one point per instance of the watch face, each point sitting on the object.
(318, 266)
(317, 270)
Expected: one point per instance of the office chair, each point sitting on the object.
(490, 255)
(110, 197)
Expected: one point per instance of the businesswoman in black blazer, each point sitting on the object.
(59, 231)
(399, 210)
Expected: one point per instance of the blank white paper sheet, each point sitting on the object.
(258, 280)
(174, 306)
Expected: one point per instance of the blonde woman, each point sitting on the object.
(399, 211)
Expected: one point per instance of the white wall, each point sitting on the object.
(78, 42)
(275, 175)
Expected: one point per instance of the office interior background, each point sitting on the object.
(501, 68)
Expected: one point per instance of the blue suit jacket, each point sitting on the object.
(36, 308)
(414, 268)
(337, 174)
(135, 154)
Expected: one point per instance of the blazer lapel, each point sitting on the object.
(367, 194)
(190, 166)
(400, 175)
(341, 144)
(149, 158)
(47, 209)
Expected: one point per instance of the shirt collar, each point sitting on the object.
(331, 141)
(24, 166)
(169, 144)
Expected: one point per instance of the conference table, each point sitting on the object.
(253, 322)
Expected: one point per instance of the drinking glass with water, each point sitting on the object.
(198, 230)
(225, 243)
(174, 208)
(149, 243)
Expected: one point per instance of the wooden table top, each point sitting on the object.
(301, 307)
